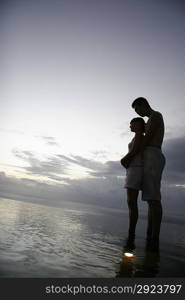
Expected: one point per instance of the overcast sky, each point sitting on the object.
(70, 70)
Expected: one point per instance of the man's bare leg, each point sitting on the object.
(154, 222)
(149, 226)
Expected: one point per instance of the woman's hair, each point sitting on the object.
(141, 121)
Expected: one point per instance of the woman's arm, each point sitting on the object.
(125, 161)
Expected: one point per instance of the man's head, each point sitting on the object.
(141, 106)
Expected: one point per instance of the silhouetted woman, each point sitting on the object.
(134, 172)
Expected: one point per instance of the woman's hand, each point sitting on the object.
(125, 161)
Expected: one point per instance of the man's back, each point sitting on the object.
(156, 121)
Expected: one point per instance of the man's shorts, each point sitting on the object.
(133, 178)
(154, 162)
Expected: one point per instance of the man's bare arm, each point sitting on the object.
(150, 131)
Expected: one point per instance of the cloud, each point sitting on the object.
(174, 150)
(104, 187)
(110, 169)
(83, 162)
(11, 131)
(56, 166)
(96, 168)
(52, 166)
(101, 154)
(50, 140)
(102, 192)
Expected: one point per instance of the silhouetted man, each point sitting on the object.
(154, 162)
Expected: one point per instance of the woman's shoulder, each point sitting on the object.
(132, 140)
(139, 135)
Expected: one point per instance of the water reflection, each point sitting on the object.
(40, 241)
(134, 264)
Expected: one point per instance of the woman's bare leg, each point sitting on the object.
(132, 196)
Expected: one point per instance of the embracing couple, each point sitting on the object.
(144, 165)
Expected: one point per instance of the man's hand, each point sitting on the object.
(125, 161)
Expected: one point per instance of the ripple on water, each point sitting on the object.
(39, 241)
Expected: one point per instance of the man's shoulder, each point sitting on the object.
(156, 115)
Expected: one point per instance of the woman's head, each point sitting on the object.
(137, 125)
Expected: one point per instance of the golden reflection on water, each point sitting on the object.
(128, 254)
(135, 263)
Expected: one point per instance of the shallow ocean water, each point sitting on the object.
(82, 241)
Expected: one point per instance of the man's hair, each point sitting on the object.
(140, 101)
(141, 121)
